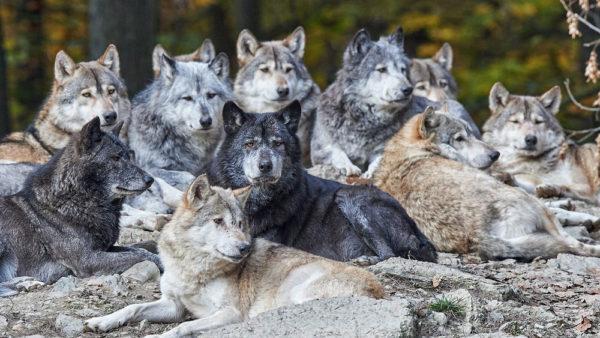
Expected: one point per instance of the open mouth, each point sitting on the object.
(124, 191)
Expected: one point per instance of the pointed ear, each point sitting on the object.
(220, 65)
(296, 41)
(157, 54)
(397, 38)
(444, 56)
(246, 46)
(110, 59)
(242, 194)
(290, 116)
(198, 192)
(90, 135)
(429, 122)
(358, 46)
(233, 117)
(498, 97)
(551, 99)
(206, 52)
(116, 130)
(168, 67)
(63, 66)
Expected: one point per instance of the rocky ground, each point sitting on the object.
(460, 296)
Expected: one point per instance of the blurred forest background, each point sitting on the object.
(524, 44)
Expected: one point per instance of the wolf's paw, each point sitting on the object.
(547, 191)
(99, 324)
(505, 178)
(351, 170)
(365, 260)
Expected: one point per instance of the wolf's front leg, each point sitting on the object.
(170, 195)
(115, 261)
(340, 160)
(220, 318)
(164, 310)
(373, 165)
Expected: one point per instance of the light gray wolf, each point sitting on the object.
(204, 53)
(432, 77)
(13, 176)
(291, 207)
(80, 92)
(66, 219)
(462, 209)
(215, 271)
(272, 75)
(535, 151)
(366, 105)
(176, 121)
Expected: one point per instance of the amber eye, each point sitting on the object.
(249, 144)
(111, 91)
(264, 69)
(382, 69)
(421, 87)
(218, 221)
(86, 94)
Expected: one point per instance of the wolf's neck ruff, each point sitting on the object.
(34, 132)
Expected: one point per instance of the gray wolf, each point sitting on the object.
(216, 272)
(65, 221)
(176, 121)
(366, 105)
(535, 151)
(205, 53)
(462, 209)
(272, 75)
(80, 92)
(432, 77)
(291, 207)
(13, 176)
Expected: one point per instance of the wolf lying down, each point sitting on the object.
(216, 272)
(68, 212)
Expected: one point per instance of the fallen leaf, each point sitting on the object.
(436, 280)
(584, 325)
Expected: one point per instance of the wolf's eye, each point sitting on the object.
(421, 87)
(403, 70)
(210, 95)
(538, 121)
(187, 98)
(115, 158)
(264, 69)
(218, 220)
(111, 91)
(459, 138)
(277, 143)
(288, 69)
(513, 121)
(86, 94)
(382, 69)
(444, 84)
(249, 144)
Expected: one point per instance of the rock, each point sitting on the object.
(143, 272)
(341, 317)
(69, 326)
(423, 273)
(64, 286)
(495, 318)
(439, 318)
(114, 284)
(577, 264)
(3, 323)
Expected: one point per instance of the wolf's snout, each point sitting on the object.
(110, 117)
(283, 91)
(530, 140)
(407, 91)
(245, 248)
(206, 122)
(494, 155)
(265, 166)
(148, 180)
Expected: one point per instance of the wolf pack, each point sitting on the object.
(268, 192)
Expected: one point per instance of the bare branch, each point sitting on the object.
(592, 43)
(581, 19)
(577, 103)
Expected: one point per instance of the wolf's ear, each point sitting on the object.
(110, 59)
(198, 192)
(444, 56)
(296, 41)
(247, 45)
(290, 116)
(551, 99)
(206, 52)
(233, 117)
(90, 135)
(116, 130)
(168, 67)
(498, 97)
(220, 65)
(63, 66)
(242, 194)
(397, 38)
(157, 54)
(429, 121)
(358, 46)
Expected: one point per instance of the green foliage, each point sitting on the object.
(448, 306)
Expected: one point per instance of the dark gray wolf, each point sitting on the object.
(216, 272)
(289, 206)
(272, 74)
(205, 53)
(431, 77)
(535, 151)
(66, 219)
(366, 105)
(81, 91)
(462, 209)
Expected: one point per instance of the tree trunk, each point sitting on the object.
(5, 124)
(131, 25)
(247, 15)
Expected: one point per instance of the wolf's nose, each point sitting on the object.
(407, 91)
(110, 117)
(265, 166)
(245, 248)
(283, 91)
(530, 140)
(494, 155)
(206, 122)
(148, 180)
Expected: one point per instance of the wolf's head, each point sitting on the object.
(190, 95)
(272, 73)
(205, 53)
(454, 140)
(376, 72)
(431, 77)
(525, 125)
(210, 221)
(85, 90)
(259, 148)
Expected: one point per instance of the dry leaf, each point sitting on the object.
(436, 280)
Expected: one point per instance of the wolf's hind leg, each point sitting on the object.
(573, 218)
(526, 247)
(164, 310)
(222, 317)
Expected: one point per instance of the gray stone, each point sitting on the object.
(64, 286)
(3, 323)
(143, 272)
(577, 264)
(439, 318)
(337, 317)
(115, 284)
(69, 326)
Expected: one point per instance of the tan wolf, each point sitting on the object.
(218, 273)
